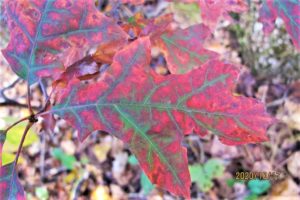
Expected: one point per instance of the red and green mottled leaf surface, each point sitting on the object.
(10, 187)
(160, 154)
(289, 11)
(43, 31)
(184, 49)
(138, 106)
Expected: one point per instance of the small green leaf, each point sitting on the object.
(131, 20)
(259, 187)
(7, 158)
(84, 160)
(230, 182)
(13, 139)
(198, 176)
(132, 160)
(146, 184)
(251, 197)
(14, 135)
(214, 168)
(186, 14)
(66, 160)
(42, 193)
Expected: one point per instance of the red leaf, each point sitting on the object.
(162, 158)
(157, 26)
(184, 49)
(214, 10)
(288, 10)
(10, 186)
(165, 170)
(136, 104)
(43, 32)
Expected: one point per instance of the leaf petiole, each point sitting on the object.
(17, 122)
(29, 125)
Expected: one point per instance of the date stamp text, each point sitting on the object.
(270, 175)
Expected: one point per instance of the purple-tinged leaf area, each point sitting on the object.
(135, 104)
(10, 187)
(184, 48)
(43, 32)
(289, 11)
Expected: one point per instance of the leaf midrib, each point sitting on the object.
(151, 143)
(160, 106)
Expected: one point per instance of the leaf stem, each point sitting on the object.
(21, 143)
(29, 100)
(47, 103)
(17, 122)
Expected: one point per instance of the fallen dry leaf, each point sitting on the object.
(285, 189)
(294, 164)
(101, 193)
(290, 114)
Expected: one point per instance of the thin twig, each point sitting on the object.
(278, 102)
(282, 163)
(201, 155)
(78, 183)
(46, 103)
(42, 154)
(100, 2)
(43, 88)
(10, 102)
(11, 85)
(13, 103)
(248, 154)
